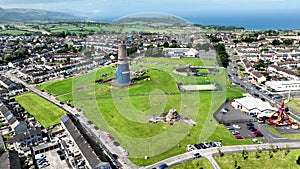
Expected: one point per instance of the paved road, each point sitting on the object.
(208, 153)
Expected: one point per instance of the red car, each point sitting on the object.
(238, 137)
(111, 138)
(256, 132)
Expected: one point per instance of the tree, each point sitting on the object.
(245, 154)
(166, 44)
(276, 42)
(298, 160)
(288, 42)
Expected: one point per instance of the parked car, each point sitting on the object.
(206, 144)
(256, 132)
(197, 146)
(126, 152)
(111, 138)
(202, 146)
(163, 166)
(250, 124)
(212, 144)
(218, 144)
(234, 132)
(238, 137)
(259, 135)
(196, 155)
(236, 126)
(230, 128)
(190, 147)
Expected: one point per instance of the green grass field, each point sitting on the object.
(195, 164)
(59, 87)
(123, 111)
(278, 161)
(43, 111)
(295, 104)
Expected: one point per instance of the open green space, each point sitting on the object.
(289, 136)
(295, 104)
(262, 160)
(43, 111)
(59, 87)
(123, 111)
(195, 164)
(13, 32)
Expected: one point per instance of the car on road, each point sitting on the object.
(196, 155)
(238, 137)
(234, 132)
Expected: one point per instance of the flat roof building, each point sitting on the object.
(281, 86)
(252, 105)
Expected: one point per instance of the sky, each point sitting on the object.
(188, 9)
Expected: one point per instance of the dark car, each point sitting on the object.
(197, 146)
(255, 94)
(202, 146)
(197, 155)
(250, 124)
(164, 165)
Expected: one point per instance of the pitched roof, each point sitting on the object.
(82, 143)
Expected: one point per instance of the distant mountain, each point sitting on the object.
(13, 15)
(151, 19)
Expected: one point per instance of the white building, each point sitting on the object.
(253, 105)
(180, 52)
(281, 86)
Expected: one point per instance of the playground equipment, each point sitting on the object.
(280, 117)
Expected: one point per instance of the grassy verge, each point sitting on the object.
(280, 159)
(294, 104)
(198, 163)
(43, 111)
(289, 136)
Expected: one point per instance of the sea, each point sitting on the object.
(259, 21)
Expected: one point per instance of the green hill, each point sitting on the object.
(13, 15)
